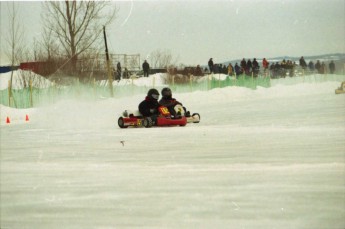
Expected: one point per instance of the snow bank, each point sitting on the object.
(21, 79)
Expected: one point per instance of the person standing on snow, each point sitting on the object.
(331, 67)
(149, 107)
(243, 65)
(210, 65)
(265, 65)
(256, 67)
(118, 71)
(230, 69)
(238, 70)
(318, 66)
(302, 63)
(146, 68)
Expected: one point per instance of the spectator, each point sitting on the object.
(238, 70)
(331, 67)
(276, 70)
(243, 65)
(323, 68)
(290, 67)
(224, 69)
(220, 68)
(125, 74)
(216, 68)
(230, 69)
(198, 71)
(210, 65)
(146, 68)
(302, 63)
(249, 67)
(265, 64)
(311, 66)
(118, 71)
(256, 67)
(318, 66)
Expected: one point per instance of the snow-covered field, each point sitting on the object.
(266, 158)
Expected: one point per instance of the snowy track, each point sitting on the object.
(265, 158)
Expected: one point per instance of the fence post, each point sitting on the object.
(209, 77)
(94, 88)
(190, 83)
(253, 85)
(9, 93)
(31, 99)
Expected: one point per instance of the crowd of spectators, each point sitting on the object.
(274, 70)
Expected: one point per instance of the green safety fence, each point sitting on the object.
(33, 97)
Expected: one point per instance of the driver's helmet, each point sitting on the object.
(153, 94)
(166, 93)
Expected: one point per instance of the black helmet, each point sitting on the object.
(153, 94)
(166, 92)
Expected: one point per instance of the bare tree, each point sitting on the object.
(49, 46)
(15, 46)
(15, 37)
(161, 59)
(77, 24)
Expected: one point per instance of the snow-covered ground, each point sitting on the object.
(265, 158)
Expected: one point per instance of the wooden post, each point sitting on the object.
(190, 83)
(94, 88)
(110, 78)
(253, 85)
(9, 93)
(31, 100)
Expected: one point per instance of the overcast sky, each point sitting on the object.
(194, 31)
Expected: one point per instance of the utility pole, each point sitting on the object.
(110, 78)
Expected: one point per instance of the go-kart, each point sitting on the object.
(135, 119)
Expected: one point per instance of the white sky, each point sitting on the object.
(194, 31)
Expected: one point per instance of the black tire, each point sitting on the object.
(147, 122)
(196, 114)
(121, 123)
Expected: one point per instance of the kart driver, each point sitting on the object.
(149, 107)
(170, 102)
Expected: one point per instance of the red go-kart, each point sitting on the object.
(135, 119)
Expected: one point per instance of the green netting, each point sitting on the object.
(26, 98)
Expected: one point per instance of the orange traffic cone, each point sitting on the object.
(27, 118)
(8, 120)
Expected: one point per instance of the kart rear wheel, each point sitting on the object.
(147, 122)
(121, 123)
